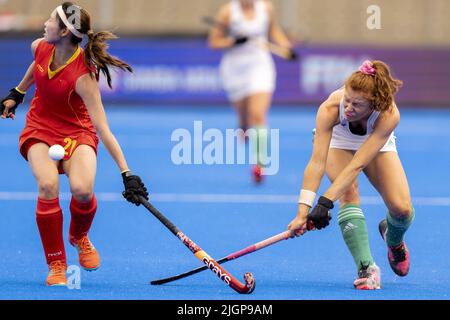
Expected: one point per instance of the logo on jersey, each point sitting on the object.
(39, 67)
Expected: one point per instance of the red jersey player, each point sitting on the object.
(67, 110)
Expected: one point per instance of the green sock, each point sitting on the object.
(261, 145)
(397, 228)
(354, 230)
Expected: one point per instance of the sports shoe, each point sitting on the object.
(398, 256)
(57, 274)
(257, 174)
(87, 254)
(368, 278)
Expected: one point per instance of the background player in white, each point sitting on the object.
(355, 132)
(247, 69)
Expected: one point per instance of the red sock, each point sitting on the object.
(49, 219)
(82, 217)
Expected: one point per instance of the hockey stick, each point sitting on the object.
(210, 263)
(277, 50)
(265, 243)
(255, 247)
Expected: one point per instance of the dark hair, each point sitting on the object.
(96, 50)
(380, 87)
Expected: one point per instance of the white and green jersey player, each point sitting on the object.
(355, 133)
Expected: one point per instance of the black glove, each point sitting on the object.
(134, 187)
(320, 216)
(240, 40)
(14, 95)
(293, 56)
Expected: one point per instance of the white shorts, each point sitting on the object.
(245, 75)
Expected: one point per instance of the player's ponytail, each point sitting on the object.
(376, 81)
(96, 54)
(385, 86)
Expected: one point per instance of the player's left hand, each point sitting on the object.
(320, 216)
(298, 226)
(134, 188)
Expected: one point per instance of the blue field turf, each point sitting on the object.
(135, 248)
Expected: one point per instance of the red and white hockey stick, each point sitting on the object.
(255, 247)
(210, 263)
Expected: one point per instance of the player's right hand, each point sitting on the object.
(293, 56)
(7, 109)
(10, 103)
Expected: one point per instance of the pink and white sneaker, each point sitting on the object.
(368, 278)
(398, 256)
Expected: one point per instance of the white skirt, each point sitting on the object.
(342, 140)
(246, 74)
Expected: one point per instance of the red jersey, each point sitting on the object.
(57, 114)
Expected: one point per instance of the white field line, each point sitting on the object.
(220, 198)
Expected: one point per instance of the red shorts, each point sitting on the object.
(30, 137)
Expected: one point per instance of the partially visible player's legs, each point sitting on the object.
(81, 169)
(353, 224)
(242, 111)
(387, 175)
(258, 106)
(49, 215)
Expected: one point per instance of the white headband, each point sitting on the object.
(66, 22)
